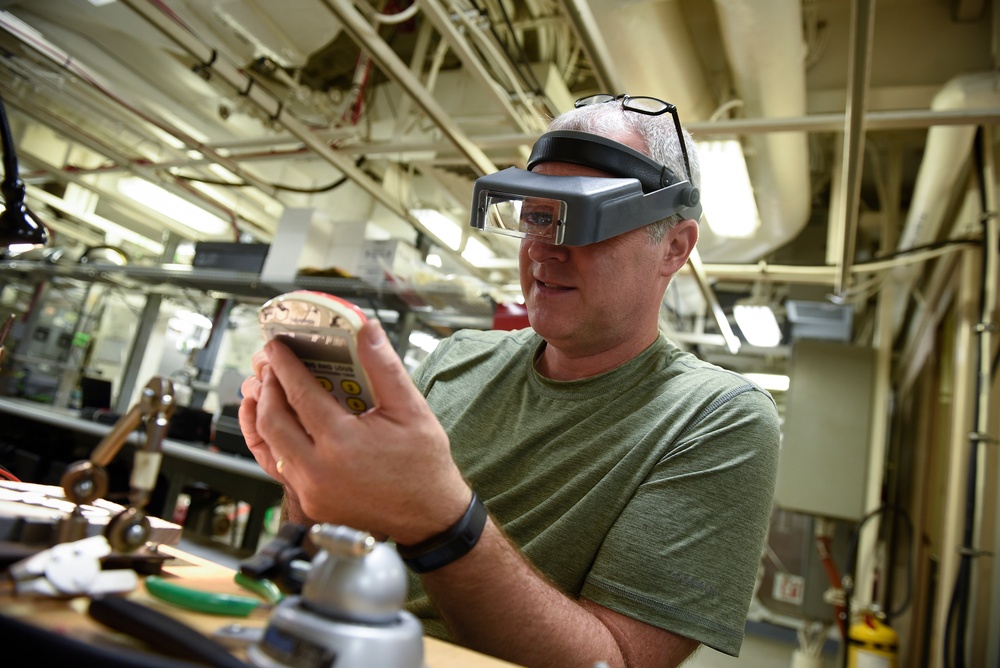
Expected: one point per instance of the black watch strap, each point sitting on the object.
(447, 546)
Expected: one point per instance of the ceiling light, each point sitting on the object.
(758, 324)
(169, 204)
(73, 218)
(476, 251)
(192, 318)
(424, 341)
(772, 382)
(441, 226)
(726, 193)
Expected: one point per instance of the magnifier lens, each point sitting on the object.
(536, 217)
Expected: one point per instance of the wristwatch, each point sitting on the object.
(455, 542)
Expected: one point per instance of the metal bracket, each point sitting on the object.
(974, 552)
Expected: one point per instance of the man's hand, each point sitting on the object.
(250, 389)
(388, 470)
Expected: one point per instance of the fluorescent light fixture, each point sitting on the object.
(192, 318)
(113, 232)
(758, 324)
(171, 205)
(726, 194)
(450, 233)
(772, 382)
(424, 341)
(476, 251)
(441, 226)
(223, 173)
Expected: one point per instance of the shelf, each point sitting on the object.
(441, 305)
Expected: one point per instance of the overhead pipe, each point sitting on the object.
(903, 119)
(946, 153)
(291, 147)
(845, 208)
(694, 263)
(816, 123)
(759, 38)
(366, 37)
(978, 477)
(157, 16)
(852, 164)
(762, 272)
(123, 163)
(439, 17)
(502, 63)
(61, 59)
(588, 32)
(766, 55)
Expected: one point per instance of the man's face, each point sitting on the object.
(585, 299)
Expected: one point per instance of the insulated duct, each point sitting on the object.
(947, 150)
(766, 53)
(759, 37)
(652, 53)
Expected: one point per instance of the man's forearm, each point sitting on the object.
(495, 602)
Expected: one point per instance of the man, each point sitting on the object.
(628, 483)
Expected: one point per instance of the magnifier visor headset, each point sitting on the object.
(580, 210)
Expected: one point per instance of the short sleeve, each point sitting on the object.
(685, 552)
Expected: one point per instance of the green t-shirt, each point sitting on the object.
(646, 489)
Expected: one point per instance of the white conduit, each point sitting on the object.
(366, 37)
(439, 17)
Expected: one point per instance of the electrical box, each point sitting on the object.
(823, 464)
(795, 579)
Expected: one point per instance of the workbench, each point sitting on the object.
(183, 464)
(69, 618)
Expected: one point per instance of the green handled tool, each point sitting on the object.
(214, 603)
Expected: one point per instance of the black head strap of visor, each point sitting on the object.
(589, 150)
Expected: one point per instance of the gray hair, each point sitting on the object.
(609, 119)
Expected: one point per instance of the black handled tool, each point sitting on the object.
(161, 632)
